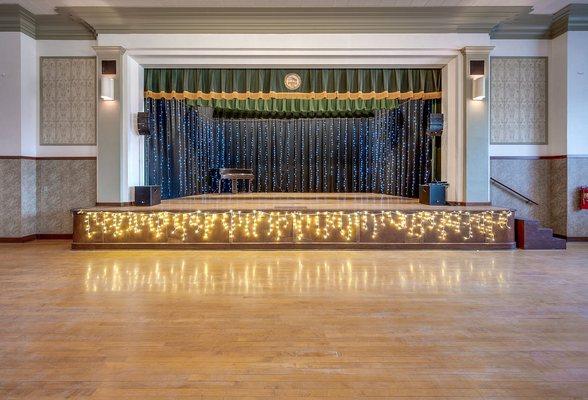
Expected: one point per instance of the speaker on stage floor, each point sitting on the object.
(147, 195)
(433, 193)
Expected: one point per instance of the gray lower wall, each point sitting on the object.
(529, 177)
(558, 192)
(36, 196)
(577, 221)
(553, 183)
(10, 203)
(28, 198)
(61, 186)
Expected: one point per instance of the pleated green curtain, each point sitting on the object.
(321, 91)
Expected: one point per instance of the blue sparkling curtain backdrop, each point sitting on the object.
(387, 153)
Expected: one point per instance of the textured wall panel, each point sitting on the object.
(558, 173)
(68, 101)
(61, 186)
(529, 177)
(10, 198)
(518, 100)
(577, 177)
(28, 197)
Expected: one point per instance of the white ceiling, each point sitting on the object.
(48, 6)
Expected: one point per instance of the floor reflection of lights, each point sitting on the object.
(300, 277)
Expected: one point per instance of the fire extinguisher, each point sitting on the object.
(584, 198)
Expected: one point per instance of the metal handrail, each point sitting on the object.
(527, 200)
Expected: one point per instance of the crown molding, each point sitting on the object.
(573, 17)
(293, 20)
(14, 18)
(477, 50)
(104, 50)
(529, 26)
(60, 27)
(501, 22)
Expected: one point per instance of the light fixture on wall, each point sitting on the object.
(478, 75)
(107, 80)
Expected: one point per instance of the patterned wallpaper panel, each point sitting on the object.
(518, 100)
(68, 100)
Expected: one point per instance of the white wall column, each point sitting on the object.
(452, 154)
(476, 130)
(133, 143)
(111, 157)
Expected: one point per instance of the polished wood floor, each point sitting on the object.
(292, 324)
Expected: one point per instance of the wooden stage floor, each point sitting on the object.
(293, 201)
(294, 220)
(253, 325)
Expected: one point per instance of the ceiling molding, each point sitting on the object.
(14, 18)
(574, 17)
(477, 50)
(294, 20)
(61, 27)
(529, 26)
(85, 23)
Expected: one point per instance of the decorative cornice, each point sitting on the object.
(477, 50)
(61, 27)
(530, 26)
(501, 22)
(14, 18)
(119, 50)
(573, 17)
(293, 20)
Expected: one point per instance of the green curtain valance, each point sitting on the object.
(320, 91)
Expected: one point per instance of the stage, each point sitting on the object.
(293, 221)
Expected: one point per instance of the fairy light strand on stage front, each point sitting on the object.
(258, 225)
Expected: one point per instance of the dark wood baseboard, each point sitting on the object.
(55, 236)
(469, 203)
(125, 204)
(40, 236)
(556, 157)
(572, 238)
(93, 158)
(21, 239)
(297, 246)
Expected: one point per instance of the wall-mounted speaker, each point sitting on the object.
(435, 124)
(108, 67)
(477, 68)
(143, 123)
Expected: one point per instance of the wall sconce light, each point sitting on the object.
(107, 88)
(107, 80)
(479, 88)
(478, 75)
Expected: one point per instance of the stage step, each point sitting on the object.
(530, 235)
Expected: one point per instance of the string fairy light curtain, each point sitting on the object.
(297, 92)
(386, 153)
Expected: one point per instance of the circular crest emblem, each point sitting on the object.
(292, 81)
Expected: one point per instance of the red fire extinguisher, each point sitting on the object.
(584, 198)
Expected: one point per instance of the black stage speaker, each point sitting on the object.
(147, 195)
(433, 193)
(143, 123)
(435, 124)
